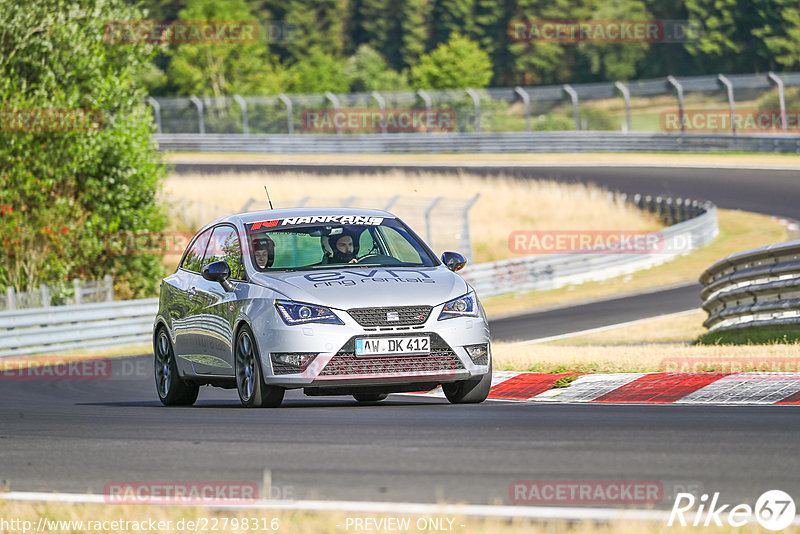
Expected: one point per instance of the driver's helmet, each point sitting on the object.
(261, 244)
(333, 253)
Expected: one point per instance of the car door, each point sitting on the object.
(217, 309)
(185, 303)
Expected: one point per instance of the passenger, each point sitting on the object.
(263, 252)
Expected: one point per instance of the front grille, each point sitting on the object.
(406, 315)
(345, 362)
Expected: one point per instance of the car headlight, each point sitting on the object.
(463, 306)
(294, 313)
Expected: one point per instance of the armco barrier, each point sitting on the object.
(416, 143)
(699, 227)
(63, 328)
(758, 287)
(120, 323)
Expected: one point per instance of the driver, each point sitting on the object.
(263, 252)
(344, 248)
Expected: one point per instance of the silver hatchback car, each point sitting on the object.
(334, 301)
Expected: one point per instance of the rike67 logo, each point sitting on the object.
(774, 510)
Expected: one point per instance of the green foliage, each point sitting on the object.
(317, 73)
(223, 69)
(366, 70)
(456, 64)
(67, 189)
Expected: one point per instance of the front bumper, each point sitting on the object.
(336, 365)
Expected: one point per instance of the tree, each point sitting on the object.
(366, 70)
(227, 68)
(87, 169)
(456, 64)
(317, 73)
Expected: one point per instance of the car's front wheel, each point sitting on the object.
(171, 389)
(253, 392)
(470, 391)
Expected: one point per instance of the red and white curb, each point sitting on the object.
(649, 388)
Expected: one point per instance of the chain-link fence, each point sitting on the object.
(612, 106)
(443, 222)
(76, 292)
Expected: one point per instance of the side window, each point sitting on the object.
(365, 243)
(224, 245)
(193, 260)
(400, 247)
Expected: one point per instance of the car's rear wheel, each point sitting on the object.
(470, 391)
(370, 397)
(253, 392)
(171, 389)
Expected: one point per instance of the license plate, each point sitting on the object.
(393, 345)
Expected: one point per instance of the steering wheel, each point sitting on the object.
(358, 260)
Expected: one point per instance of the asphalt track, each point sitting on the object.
(78, 436)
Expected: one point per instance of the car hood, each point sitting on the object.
(363, 287)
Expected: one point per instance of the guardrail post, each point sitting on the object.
(477, 103)
(391, 203)
(109, 283)
(45, 295)
(466, 242)
(76, 286)
(428, 220)
(12, 298)
(243, 105)
(626, 95)
(382, 103)
(335, 101)
(156, 111)
(427, 99)
(526, 101)
(679, 90)
(289, 119)
(201, 123)
(781, 98)
(729, 86)
(573, 95)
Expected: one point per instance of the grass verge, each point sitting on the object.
(738, 231)
(96, 518)
(752, 336)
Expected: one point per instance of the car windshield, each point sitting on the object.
(334, 241)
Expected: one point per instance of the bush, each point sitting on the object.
(69, 186)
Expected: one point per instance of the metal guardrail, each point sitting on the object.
(63, 328)
(699, 227)
(421, 143)
(121, 323)
(758, 287)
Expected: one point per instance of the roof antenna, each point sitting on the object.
(269, 199)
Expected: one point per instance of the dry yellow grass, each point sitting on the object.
(304, 522)
(642, 358)
(505, 204)
(672, 328)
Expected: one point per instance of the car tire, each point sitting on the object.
(370, 397)
(472, 391)
(253, 392)
(172, 390)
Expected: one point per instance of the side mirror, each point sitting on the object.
(219, 271)
(454, 261)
